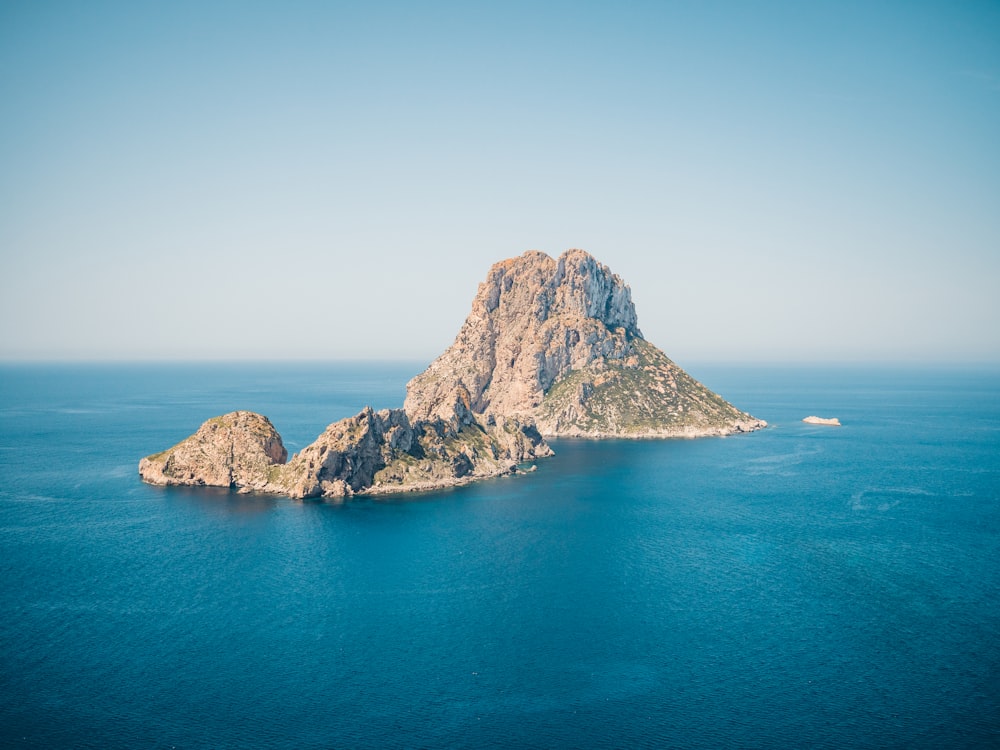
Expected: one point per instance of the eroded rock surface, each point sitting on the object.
(557, 342)
(371, 453)
(239, 449)
(384, 452)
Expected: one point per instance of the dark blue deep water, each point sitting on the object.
(799, 587)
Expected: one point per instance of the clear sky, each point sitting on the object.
(292, 180)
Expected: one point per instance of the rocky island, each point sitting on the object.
(551, 348)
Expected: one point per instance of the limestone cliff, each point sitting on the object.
(557, 342)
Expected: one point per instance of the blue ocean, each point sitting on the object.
(803, 586)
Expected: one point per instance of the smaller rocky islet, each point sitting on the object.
(374, 452)
(551, 348)
(830, 421)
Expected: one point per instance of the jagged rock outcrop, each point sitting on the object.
(551, 347)
(234, 450)
(384, 452)
(557, 342)
(371, 453)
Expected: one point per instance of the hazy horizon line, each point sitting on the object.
(373, 360)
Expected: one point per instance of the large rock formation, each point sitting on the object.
(384, 452)
(557, 342)
(551, 347)
(234, 450)
(371, 453)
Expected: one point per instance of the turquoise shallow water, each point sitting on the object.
(803, 586)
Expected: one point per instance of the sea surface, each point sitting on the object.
(803, 586)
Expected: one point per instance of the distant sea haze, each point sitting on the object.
(802, 586)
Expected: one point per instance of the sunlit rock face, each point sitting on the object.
(371, 453)
(235, 450)
(557, 342)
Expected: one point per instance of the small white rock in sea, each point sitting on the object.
(820, 420)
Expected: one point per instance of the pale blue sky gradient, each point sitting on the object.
(254, 180)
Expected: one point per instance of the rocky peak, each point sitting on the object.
(575, 285)
(537, 323)
(584, 286)
(533, 320)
